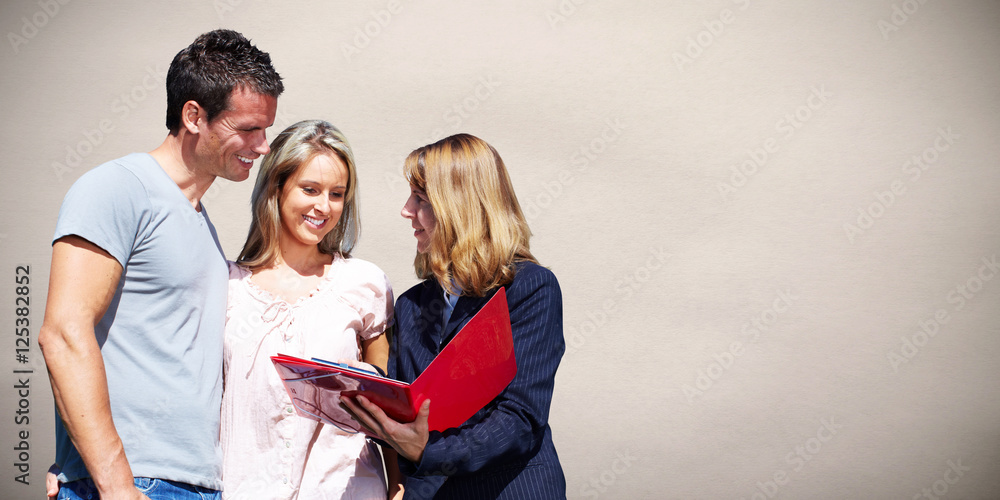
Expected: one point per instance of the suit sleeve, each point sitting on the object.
(511, 429)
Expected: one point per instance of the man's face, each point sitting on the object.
(235, 138)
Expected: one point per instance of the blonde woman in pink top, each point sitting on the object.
(295, 290)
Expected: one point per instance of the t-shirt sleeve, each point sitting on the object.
(106, 206)
(373, 300)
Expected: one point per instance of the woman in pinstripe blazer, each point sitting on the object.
(472, 238)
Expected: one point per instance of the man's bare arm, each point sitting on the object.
(82, 282)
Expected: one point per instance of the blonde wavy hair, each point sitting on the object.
(481, 231)
(293, 147)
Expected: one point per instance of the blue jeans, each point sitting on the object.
(155, 489)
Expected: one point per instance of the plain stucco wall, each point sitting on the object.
(775, 223)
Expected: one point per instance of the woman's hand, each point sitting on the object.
(408, 439)
(396, 495)
(394, 475)
(361, 365)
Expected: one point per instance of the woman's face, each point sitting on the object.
(421, 215)
(312, 200)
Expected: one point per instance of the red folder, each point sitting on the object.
(465, 376)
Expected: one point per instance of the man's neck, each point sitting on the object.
(179, 163)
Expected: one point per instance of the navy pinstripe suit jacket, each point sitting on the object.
(505, 450)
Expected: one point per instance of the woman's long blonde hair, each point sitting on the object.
(294, 147)
(481, 231)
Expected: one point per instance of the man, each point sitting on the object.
(133, 327)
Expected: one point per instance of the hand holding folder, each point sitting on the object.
(465, 376)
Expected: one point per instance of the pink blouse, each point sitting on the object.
(269, 452)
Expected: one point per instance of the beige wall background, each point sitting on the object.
(775, 223)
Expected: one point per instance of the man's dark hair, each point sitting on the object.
(208, 71)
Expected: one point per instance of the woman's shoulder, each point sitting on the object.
(533, 283)
(532, 274)
(237, 271)
(356, 268)
(357, 282)
(416, 293)
(531, 268)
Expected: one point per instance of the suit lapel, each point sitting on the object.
(431, 314)
(465, 309)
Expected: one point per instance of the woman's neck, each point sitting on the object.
(305, 260)
(293, 274)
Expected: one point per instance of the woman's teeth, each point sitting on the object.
(315, 222)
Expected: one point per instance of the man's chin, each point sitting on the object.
(238, 176)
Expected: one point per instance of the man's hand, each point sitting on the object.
(52, 482)
(52, 486)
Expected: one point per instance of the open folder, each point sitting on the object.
(465, 376)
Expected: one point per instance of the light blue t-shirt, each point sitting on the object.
(161, 337)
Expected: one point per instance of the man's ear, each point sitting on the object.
(193, 117)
